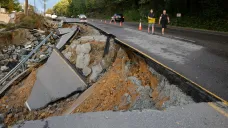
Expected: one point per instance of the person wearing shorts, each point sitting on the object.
(151, 21)
(164, 20)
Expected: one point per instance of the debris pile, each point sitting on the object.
(86, 54)
(11, 55)
(130, 85)
(13, 103)
(119, 79)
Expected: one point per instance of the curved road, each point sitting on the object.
(201, 56)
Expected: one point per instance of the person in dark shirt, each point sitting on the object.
(164, 20)
(151, 21)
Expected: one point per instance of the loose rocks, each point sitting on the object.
(4, 68)
(84, 48)
(96, 70)
(82, 60)
(86, 71)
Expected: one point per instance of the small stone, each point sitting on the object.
(42, 37)
(41, 31)
(28, 46)
(60, 109)
(4, 68)
(147, 87)
(96, 70)
(35, 112)
(86, 71)
(15, 57)
(68, 55)
(76, 42)
(10, 115)
(1, 118)
(16, 116)
(36, 42)
(1, 56)
(82, 60)
(84, 48)
(43, 115)
(55, 105)
(4, 50)
(6, 56)
(42, 56)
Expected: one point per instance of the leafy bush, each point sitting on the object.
(196, 22)
(132, 15)
(31, 21)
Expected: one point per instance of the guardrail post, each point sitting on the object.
(23, 67)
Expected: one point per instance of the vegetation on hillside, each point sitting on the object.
(10, 5)
(205, 14)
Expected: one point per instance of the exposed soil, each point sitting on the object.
(125, 83)
(114, 91)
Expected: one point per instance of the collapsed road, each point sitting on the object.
(203, 62)
(93, 71)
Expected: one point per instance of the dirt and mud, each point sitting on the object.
(121, 80)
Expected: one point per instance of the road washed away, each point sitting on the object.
(112, 77)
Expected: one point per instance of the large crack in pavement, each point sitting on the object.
(118, 80)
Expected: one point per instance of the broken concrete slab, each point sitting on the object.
(55, 80)
(71, 20)
(64, 39)
(62, 31)
(191, 116)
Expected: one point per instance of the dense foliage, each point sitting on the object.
(10, 5)
(207, 14)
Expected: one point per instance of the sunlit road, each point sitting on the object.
(200, 56)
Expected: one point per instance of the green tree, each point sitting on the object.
(11, 6)
(49, 11)
(61, 8)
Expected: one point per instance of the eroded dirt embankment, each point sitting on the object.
(130, 84)
(119, 80)
(126, 83)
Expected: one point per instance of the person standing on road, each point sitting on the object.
(164, 20)
(151, 21)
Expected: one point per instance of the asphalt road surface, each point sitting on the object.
(190, 116)
(198, 55)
